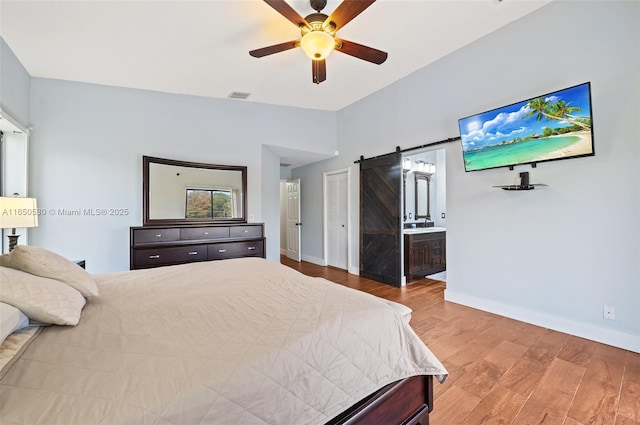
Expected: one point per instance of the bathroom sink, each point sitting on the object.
(424, 230)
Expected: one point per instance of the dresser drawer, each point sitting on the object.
(220, 251)
(153, 257)
(204, 233)
(166, 245)
(155, 235)
(245, 231)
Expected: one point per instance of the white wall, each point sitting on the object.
(87, 146)
(552, 256)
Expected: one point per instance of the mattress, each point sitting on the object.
(234, 341)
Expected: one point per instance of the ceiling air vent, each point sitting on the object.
(238, 95)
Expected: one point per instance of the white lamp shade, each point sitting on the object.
(18, 212)
(317, 44)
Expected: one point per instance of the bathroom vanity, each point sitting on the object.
(424, 252)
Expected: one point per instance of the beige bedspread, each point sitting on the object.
(243, 341)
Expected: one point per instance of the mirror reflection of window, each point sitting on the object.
(216, 203)
(193, 192)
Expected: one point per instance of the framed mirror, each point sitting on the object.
(422, 195)
(180, 192)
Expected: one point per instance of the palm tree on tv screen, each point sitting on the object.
(540, 107)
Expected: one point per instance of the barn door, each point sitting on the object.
(380, 199)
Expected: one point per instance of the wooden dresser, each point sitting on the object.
(153, 246)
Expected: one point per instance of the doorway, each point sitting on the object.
(337, 240)
(435, 205)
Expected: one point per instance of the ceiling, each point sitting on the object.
(201, 47)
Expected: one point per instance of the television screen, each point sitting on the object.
(545, 128)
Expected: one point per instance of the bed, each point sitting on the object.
(225, 342)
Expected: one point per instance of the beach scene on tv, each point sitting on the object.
(553, 126)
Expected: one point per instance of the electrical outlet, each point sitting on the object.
(442, 215)
(609, 312)
(250, 217)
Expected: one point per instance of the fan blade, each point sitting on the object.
(319, 70)
(288, 12)
(346, 11)
(276, 48)
(359, 51)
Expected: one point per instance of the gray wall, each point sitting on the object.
(15, 85)
(552, 256)
(87, 146)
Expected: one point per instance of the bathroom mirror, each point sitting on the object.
(183, 193)
(422, 195)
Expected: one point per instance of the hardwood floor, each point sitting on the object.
(502, 371)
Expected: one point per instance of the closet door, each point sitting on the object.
(380, 199)
(337, 227)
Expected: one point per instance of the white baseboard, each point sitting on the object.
(283, 251)
(314, 260)
(595, 333)
(320, 262)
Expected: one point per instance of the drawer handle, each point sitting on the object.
(153, 257)
(251, 248)
(159, 235)
(206, 233)
(246, 231)
(192, 253)
(222, 250)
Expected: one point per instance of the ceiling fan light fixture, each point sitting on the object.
(318, 32)
(318, 44)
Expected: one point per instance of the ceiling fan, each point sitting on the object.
(319, 34)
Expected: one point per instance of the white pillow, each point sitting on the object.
(43, 263)
(41, 299)
(11, 320)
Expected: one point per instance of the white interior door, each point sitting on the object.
(293, 220)
(337, 219)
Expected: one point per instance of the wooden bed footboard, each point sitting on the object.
(406, 402)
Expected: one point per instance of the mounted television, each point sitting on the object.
(545, 128)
